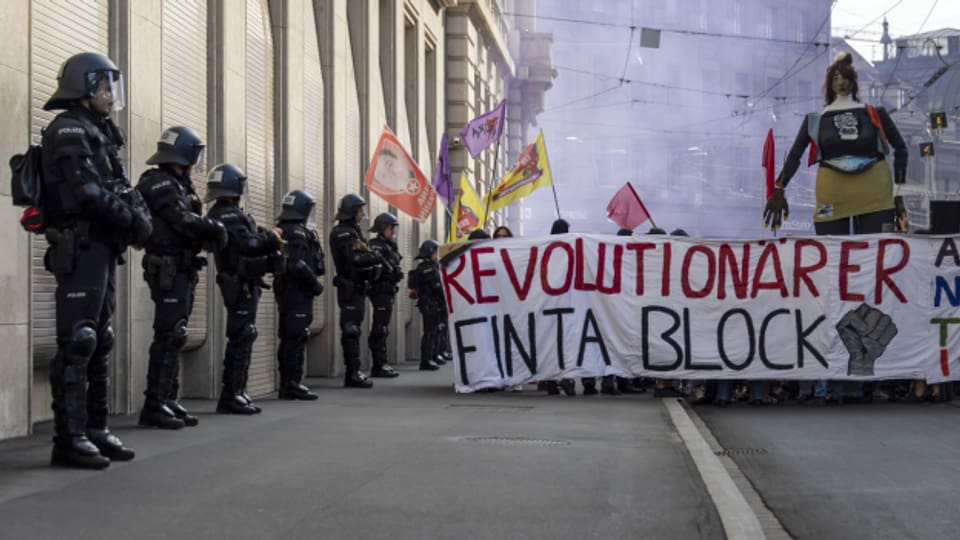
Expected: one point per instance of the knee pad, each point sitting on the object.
(105, 340)
(248, 335)
(379, 330)
(351, 330)
(178, 337)
(83, 342)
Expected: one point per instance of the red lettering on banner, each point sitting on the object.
(640, 248)
(614, 288)
(545, 265)
(883, 273)
(688, 291)
(578, 281)
(802, 272)
(450, 280)
(738, 273)
(478, 274)
(665, 271)
(769, 252)
(524, 289)
(846, 269)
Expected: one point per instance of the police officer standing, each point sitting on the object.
(383, 291)
(92, 214)
(357, 267)
(171, 265)
(249, 254)
(295, 290)
(425, 280)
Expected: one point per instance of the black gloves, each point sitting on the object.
(902, 221)
(777, 210)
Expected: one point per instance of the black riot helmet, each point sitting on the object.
(178, 145)
(383, 221)
(225, 181)
(297, 206)
(350, 205)
(427, 249)
(79, 77)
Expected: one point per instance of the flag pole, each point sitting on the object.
(491, 185)
(553, 184)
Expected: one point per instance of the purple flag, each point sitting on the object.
(483, 130)
(441, 175)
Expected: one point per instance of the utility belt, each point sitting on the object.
(235, 287)
(164, 268)
(382, 287)
(350, 285)
(254, 268)
(65, 241)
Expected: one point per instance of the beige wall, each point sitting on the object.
(136, 29)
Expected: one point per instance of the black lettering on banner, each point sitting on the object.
(597, 338)
(462, 349)
(510, 336)
(559, 312)
(496, 344)
(688, 347)
(948, 247)
(802, 339)
(763, 339)
(721, 326)
(665, 336)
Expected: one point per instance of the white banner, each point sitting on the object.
(861, 307)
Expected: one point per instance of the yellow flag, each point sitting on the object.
(467, 209)
(532, 171)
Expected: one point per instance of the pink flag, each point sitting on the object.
(626, 209)
(767, 161)
(484, 130)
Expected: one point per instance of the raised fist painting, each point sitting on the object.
(866, 331)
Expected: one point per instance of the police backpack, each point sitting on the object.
(26, 188)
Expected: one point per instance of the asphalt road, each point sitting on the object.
(408, 459)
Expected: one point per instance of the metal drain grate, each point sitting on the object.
(516, 441)
(741, 452)
(490, 407)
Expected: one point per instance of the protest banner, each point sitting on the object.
(864, 307)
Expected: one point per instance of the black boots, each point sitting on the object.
(429, 365)
(77, 451)
(109, 445)
(157, 414)
(354, 378)
(384, 371)
(292, 390)
(234, 403)
(181, 413)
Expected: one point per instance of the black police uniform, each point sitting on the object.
(356, 268)
(241, 266)
(425, 280)
(295, 290)
(92, 215)
(383, 293)
(171, 265)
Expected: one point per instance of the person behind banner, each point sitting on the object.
(424, 280)
(383, 291)
(294, 291)
(502, 232)
(569, 387)
(357, 267)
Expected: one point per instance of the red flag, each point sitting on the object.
(767, 161)
(626, 209)
(395, 177)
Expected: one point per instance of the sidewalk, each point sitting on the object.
(407, 459)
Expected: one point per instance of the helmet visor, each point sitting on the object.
(107, 87)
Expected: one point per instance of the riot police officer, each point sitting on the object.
(170, 267)
(295, 290)
(425, 280)
(249, 254)
(92, 214)
(383, 291)
(356, 268)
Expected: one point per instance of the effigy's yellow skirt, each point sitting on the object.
(841, 195)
